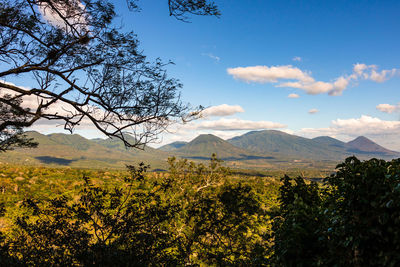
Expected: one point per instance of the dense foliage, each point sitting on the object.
(353, 220)
(200, 214)
(195, 214)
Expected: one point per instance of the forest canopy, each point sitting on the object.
(200, 214)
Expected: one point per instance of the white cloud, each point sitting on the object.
(5, 91)
(383, 75)
(190, 135)
(313, 111)
(303, 79)
(221, 110)
(33, 102)
(387, 108)
(311, 88)
(265, 74)
(385, 133)
(293, 96)
(297, 59)
(365, 125)
(74, 15)
(60, 108)
(235, 124)
(340, 85)
(212, 56)
(359, 68)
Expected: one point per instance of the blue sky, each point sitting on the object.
(259, 52)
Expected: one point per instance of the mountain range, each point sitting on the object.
(323, 147)
(256, 149)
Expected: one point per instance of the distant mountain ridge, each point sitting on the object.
(76, 151)
(286, 144)
(323, 147)
(255, 149)
(365, 145)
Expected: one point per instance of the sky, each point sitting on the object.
(308, 68)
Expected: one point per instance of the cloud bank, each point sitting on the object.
(365, 125)
(221, 110)
(236, 124)
(293, 77)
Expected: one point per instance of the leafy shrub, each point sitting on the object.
(353, 220)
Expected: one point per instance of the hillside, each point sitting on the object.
(117, 144)
(279, 142)
(327, 140)
(319, 148)
(364, 145)
(173, 146)
(206, 144)
(77, 151)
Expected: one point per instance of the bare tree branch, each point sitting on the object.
(81, 69)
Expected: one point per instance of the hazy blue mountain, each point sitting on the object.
(364, 145)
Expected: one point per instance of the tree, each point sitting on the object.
(218, 221)
(351, 220)
(364, 210)
(123, 226)
(13, 135)
(298, 224)
(83, 69)
(193, 216)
